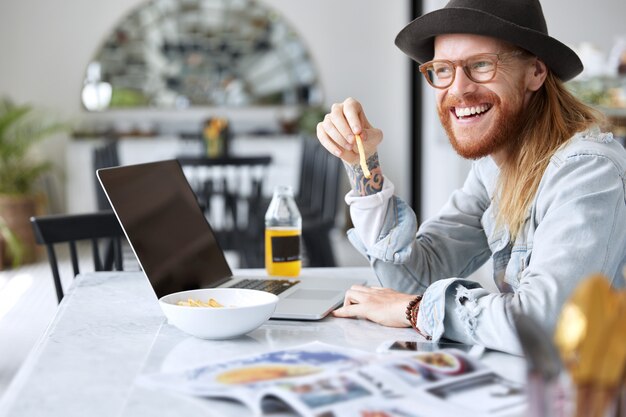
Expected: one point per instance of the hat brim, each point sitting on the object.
(417, 38)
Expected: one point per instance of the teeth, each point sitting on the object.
(468, 111)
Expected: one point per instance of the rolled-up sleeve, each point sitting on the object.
(368, 213)
(580, 220)
(451, 245)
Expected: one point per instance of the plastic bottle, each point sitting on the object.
(283, 230)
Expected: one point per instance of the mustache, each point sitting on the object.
(470, 99)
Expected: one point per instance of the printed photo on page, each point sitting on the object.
(322, 380)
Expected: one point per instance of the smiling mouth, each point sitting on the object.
(463, 113)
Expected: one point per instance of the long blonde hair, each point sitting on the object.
(552, 117)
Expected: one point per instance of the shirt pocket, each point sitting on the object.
(488, 223)
(520, 258)
(497, 239)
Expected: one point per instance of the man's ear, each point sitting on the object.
(536, 75)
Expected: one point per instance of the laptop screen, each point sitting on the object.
(165, 226)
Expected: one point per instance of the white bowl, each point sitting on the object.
(244, 310)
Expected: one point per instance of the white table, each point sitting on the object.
(109, 329)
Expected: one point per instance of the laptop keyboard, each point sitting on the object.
(275, 286)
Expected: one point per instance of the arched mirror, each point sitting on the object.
(183, 53)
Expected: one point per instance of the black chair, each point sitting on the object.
(104, 156)
(318, 200)
(230, 191)
(101, 228)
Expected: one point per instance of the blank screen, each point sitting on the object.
(165, 226)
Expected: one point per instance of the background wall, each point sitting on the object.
(45, 46)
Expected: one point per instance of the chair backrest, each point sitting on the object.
(104, 157)
(320, 175)
(230, 191)
(307, 171)
(318, 200)
(100, 227)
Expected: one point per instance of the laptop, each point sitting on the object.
(177, 249)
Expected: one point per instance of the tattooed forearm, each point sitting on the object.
(364, 186)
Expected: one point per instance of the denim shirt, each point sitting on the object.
(576, 226)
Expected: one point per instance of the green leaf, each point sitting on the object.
(10, 117)
(20, 128)
(15, 248)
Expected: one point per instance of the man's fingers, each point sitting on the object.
(358, 294)
(353, 112)
(364, 121)
(327, 141)
(340, 124)
(371, 138)
(333, 132)
(353, 295)
(347, 311)
(338, 129)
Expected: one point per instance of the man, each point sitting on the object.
(544, 198)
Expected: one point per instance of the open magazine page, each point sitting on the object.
(448, 381)
(440, 383)
(245, 379)
(320, 380)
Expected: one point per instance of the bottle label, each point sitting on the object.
(285, 248)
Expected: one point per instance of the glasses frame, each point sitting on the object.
(495, 57)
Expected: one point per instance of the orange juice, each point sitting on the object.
(282, 251)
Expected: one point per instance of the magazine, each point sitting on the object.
(322, 380)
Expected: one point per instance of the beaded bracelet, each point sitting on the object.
(412, 311)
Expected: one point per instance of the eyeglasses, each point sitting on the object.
(479, 68)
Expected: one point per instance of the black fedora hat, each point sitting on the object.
(519, 22)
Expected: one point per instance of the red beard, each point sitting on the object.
(507, 123)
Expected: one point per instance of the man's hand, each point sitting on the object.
(336, 132)
(380, 305)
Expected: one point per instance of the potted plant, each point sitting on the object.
(21, 126)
